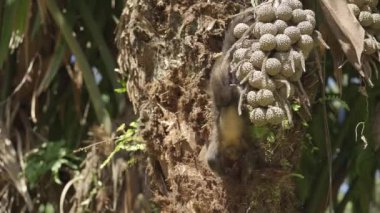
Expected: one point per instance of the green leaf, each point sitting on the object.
(51, 157)
(296, 107)
(128, 141)
(121, 128)
(120, 90)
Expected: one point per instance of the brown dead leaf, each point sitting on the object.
(346, 28)
(11, 169)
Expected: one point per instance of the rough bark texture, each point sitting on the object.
(167, 49)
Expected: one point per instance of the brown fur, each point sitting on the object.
(229, 135)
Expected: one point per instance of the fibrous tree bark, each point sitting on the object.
(167, 49)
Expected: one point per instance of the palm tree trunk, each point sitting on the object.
(167, 49)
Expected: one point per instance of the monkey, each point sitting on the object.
(229, 136)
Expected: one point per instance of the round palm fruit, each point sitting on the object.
(294, 4)
(312, 21)
(255, 46)
(305, 44)
(265, 13)
(257, 59)
(365, 18)
(280, 25)
(370, 46)
(246, 43)
(251, 98)
(258, 116)
(272, 66)
(268, 28)
(249, 108)
(256, 29)
(241, 74)
(373, 3)
(264, 97)
(239, 54)
(246, 67)
(309, 13)
(305, 27)
(283, 42)
(267, 42)
(284, 12)
(275, 115)
(298, 16)
(376, 21)
(240, 29)
(354, 9)
(258, 80)
(294, 33)
(238, 45)
(255, 80)
(268, 83)
(297, 4)
(287, 70)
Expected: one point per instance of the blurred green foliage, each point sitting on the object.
(49, 157)
(354, 161)
(58, 81)
(129, 141)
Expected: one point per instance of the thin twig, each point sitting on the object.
(93, 144)
(241, 96)
(65, 190)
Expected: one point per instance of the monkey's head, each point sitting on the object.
(231, 127)
(227, 142)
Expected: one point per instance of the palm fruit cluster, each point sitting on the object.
(366, 13)
(269, 58)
